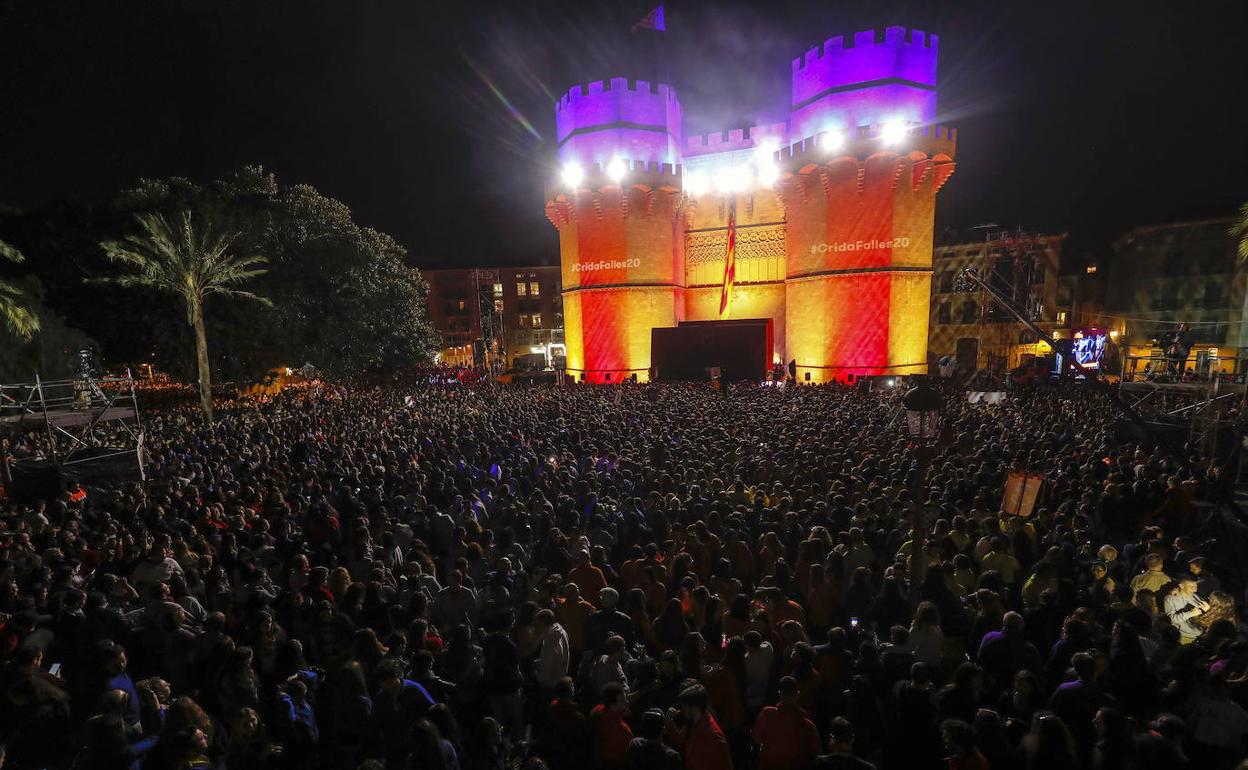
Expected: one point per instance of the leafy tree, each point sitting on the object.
(342, 297)
(61, 240)
(50, 353)
(15, 312)
(189, 256)
(1239, 231)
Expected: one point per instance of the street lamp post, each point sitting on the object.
(922, 404)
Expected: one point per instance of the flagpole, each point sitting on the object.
(725, 299)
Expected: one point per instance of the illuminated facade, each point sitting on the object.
(494, 315)
(969, 325)
(834, 212)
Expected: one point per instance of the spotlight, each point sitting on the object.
(832, 141)
(572, 175)
(616, 170)
(732, 179)
(894, 132)
(695, 183)
(765, 160)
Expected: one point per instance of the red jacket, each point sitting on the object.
(705, 747)
(787, 739)
(611, 735)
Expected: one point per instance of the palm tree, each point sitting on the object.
(1239, 230)
(187, 256)
(14, 312)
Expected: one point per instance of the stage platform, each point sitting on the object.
(63, 418)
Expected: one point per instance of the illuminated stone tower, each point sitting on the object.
(620, 235)
(834, 214)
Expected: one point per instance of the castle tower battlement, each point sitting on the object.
(866, 140)
(878, 76)
(634, 119)
(869, 55)
(736, 139)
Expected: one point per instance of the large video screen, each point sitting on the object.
(1088, 347)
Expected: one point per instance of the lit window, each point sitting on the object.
(524, 320)
(463, 305)
(537, 320)
(1091, 269)
(1061, 318)
(498, 306)
(521, 289)
(498, 290)
(534, 289)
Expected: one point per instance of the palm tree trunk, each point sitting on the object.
(201, 356)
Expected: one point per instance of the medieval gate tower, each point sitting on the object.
(833, 210)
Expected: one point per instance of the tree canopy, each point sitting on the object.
(16, 317)
(343, 298)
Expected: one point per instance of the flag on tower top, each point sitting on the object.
(653, 20)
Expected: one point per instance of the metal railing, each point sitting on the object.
(1200, 367)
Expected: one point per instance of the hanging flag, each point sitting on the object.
(730, 263)
(653, 20)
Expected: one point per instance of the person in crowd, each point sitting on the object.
(1153, 578)
(785, 734)
(962, 745)
(647, 750)
(1077, 701)
(611, 734)
(555, 653)
(840, 755)
(398, 703)
(1006, 652)
(1182, 606)
(695, 731)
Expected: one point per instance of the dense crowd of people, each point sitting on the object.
(473, 577)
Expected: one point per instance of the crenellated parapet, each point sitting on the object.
(868, 55)
(873, 76)
(867, 140)
(598, 121)
(830, 178)
(636, 201)
(590, 96)
(736, 139)
(650, 190)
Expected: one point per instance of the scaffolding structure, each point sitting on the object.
(490, 348)
(72, 415)
(1021, 266)
(1207, 406)
(1014, 265)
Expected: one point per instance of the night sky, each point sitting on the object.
(434, 121)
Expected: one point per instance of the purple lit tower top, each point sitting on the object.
(631, 120)
(871, 78)
(841, 84)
